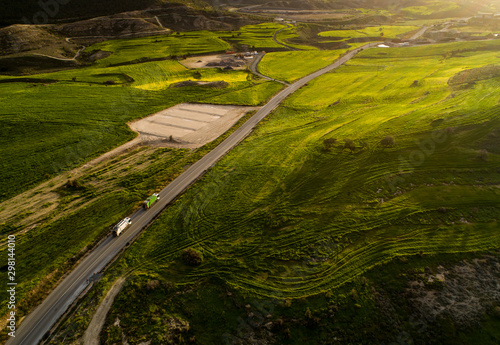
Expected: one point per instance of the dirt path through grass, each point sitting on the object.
(91, 336)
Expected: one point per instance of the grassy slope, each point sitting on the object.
(251, 95)
(107, 194)
(430, 7)
(52, 127)
(259, 36)
(153, 47)
(259, 214)
(289, 33)
(277, 65)
(280, 217)
(388, 32)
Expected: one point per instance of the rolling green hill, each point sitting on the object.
(286, 217)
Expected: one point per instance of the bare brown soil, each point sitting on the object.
(203, 61)
(17, 39)
(188, 125)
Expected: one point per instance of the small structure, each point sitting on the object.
(485, 15)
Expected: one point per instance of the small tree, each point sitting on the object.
(329, 143)
(197, 75)
(388, 141)
(73, 184)
(192, 257)
(349, 144)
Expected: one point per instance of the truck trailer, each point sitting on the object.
(121, 226)
(150, 201)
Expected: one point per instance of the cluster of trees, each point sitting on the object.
(192, 257)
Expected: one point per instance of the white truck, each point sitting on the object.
(121, 226)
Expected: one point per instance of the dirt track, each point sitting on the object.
(91, 336)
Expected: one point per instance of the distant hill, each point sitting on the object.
(430, 9)
(18, 11)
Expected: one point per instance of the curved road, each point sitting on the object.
(254, 68)
(40, 320)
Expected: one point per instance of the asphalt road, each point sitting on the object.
(40, 320)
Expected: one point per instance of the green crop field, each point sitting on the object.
(289, 33)
(251, 95)
(292, 65)
(53, 122)
(286, 224)
(264, 209)
(393, 157)
(388, 31)
(258, 36)
(430, 8)
(157, 47)
(48, 127)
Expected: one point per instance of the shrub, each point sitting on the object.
(329, 143)
(73, 184)
(152, 284)
(192, 257)
(349, 144)
(388, 141)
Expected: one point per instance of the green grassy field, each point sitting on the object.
(251, 95)
(430, 8)
(383, 32)
(259, 36)
(289, 33)
(280, 217)
(262, 210)
(293, 65)
(58, 121)
(286, 225)
(77, 117)
(154, 47)
(106, 193)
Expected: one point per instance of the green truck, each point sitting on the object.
(150, 201)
